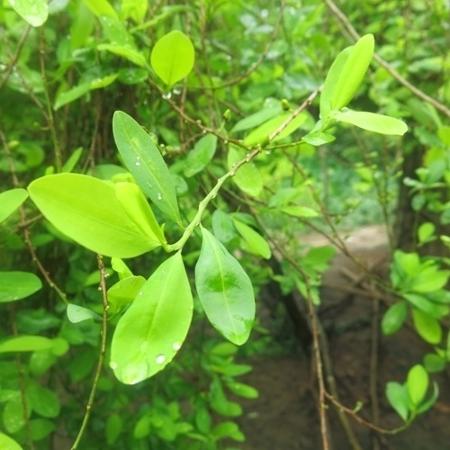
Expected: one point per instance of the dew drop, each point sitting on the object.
(159, 196)
(176, 346)
(160, 359)
(135, 373)
(113, 365)
(167, 95)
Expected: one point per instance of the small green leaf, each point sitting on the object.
(18, 285)
(227, 430)
(144, 161)
(7, 443)
(345, 75)
(225, 290)
(43, 401)
(429, 279)
(248, 178)
(434, 363)
(397, 395)
(242, 390)
(425, 232)
(101, 8)
(124, 292)
(377, 123)
(172, 57)
(113, 429)
(87, 210)
(199, 157)
(125, 51)
(41, 428)
(77, 314)
(266, 130)
(428, 327)
(13, 415)
(300, 211)
(417, 384)
(25, 344)
(269, 111)
(394, 318)
(255, 243)
(151, 331)
(10, 201)
(35, 12)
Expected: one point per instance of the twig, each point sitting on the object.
(101, 356)
(355, 35)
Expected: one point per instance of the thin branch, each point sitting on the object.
(383, 63)
(101, 356)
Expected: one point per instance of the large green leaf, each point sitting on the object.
(35, 12)
(345, 75)
(10, 201)
(18, 285)
(6, 443)
(225, 290)
(155, 325)
(144, 161)
(378, 123)
(173, 57)
(87, 210)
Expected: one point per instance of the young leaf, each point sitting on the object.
(377, 123)
(345, 75)
(10, 201)
(155, 325)
(428, 327)
(417, 384)
(76, 313)
(144, 161)
(199, 157)
(7, 443)
(394, 318)
(35, 12)
(138, 209)
(124, 292)
(172, 57)
(248, 177)
(26, 344)
(255, 243)
(17, 285)
(397, 396)
(225, 290)
(87, 210)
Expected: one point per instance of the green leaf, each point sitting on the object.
(428, 327)
(138, 209)
(417, 384)
(76, 92)
(429, 279)
(300, 211)
(25, 344)
(394, 318)
(272, 110)
(242, 390)
(7, 443)
(427, 306)
(13, 415)
(10, 201)
(155, 325)
(264, 131)
(199, 157)
(113, 429)
(345, 75)
(125, 51)
(17, 285)
(225, 290)
(43, 401)
(426, 232)
(228, 430)
(77, 314)
(172, 57)
(124, 292)
(220, 403)
(41, 428)
(248, 178)
(377, 123)
(35, 12)
(101, 8)
(144, 161)
(255, 243)
(223, 227)
(434, 363)
(87, 210)
(397, 396)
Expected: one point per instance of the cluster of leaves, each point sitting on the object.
(154, 198)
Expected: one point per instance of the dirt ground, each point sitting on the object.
(285, 417)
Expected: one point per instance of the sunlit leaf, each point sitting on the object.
(417, 383)
(35, 12)
(254, 242)
(7, 443)
(173, 57)
(153, 328)
(18, 285)
(10, 202)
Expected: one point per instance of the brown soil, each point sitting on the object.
(285, 416)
